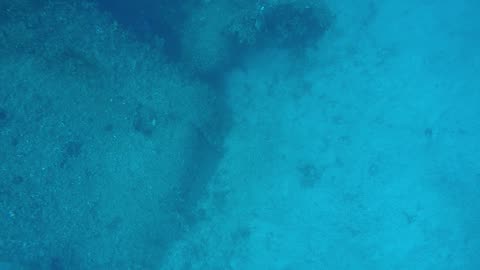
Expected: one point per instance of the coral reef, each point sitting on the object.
(212, 42)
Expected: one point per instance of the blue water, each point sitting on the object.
(294, 134)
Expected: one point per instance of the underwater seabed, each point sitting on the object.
(286, 134)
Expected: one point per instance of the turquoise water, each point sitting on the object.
(286, 134)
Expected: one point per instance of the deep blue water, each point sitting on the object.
(142, 18)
